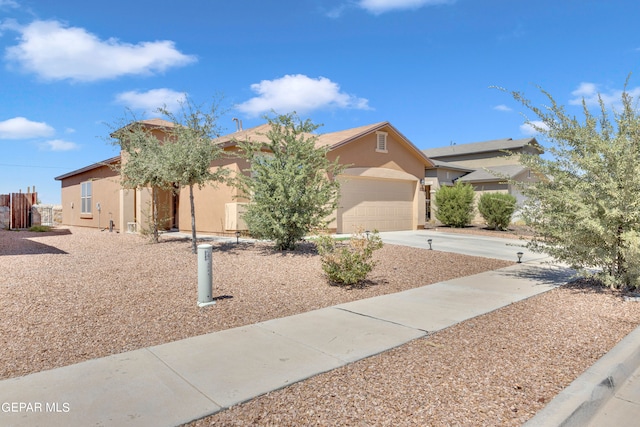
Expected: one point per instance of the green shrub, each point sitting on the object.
(497, 209)
(348, 263)
(40, 228)
(455, 204)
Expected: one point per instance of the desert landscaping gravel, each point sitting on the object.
(75, 294)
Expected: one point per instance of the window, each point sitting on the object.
(85, 198)
(381, 142)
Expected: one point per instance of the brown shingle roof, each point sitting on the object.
(485, 175)
(108, 162)
(332, 140)
(449, 165)
(158, 122)
(335, 139)
(480, 147)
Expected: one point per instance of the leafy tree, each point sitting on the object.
(290, 184)
(455, 204)
(142, 163)
(188, 151)
(497, 209)
(181, 159)
(587, 213)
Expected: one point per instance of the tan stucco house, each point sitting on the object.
(486, 165)
(381, 187)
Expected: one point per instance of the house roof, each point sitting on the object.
(500, 173)
(158, 123)
(438, 164)
(480, 147)
(254, 134)
(332, 140)
(337, 139)
(111, 161)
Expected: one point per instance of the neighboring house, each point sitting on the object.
(487, 166)
(381, 187)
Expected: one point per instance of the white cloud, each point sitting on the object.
(55, 51)
(502, 107)
(378, 7)
(59, 145)
(299, 93)
(336, 12)
(9, 3)
(530, 127)
(151, 100)
(21, 128)
(589, 93)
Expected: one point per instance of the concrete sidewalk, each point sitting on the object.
(174, 383)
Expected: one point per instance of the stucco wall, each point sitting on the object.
(105, 190)
(211, 199)
(362, 153)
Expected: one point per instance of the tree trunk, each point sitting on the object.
(154, 209)
(194, 247)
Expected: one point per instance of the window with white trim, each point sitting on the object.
(381, 142)
(85, 198)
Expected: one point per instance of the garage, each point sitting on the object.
(375, 204)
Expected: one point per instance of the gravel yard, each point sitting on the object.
(76, 294)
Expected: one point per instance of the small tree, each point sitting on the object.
(587, 213)
(455, 204)
(497, 209)
(142, 164)
(188, 151)
(290, 184)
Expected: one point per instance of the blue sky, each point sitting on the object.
(70, 68)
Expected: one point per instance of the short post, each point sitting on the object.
(430, 241)
(205, 275)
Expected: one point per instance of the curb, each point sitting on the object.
(587, 394)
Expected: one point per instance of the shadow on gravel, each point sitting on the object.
(364, 284)
(232, 248)
(303, 249)
(547, 275)
(592, 286)
(19, 243)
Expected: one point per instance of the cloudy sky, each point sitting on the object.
(71, 69)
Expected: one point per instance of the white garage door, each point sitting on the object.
(375, 204)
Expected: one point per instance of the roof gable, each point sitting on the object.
(332, 140)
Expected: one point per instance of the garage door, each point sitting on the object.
(375, 204)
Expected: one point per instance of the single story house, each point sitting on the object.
(486, 165)
(381, 187)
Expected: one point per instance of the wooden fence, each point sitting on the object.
(19, 204)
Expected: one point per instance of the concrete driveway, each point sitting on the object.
(467, 244)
